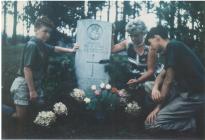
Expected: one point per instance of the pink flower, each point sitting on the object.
(122, 93)
(97, 93)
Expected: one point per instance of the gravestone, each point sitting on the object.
(94, 38)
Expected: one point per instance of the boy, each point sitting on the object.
(27, 87)
(176, 109)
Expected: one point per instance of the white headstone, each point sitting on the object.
(94, 38)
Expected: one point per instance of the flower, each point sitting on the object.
(122, 93)
(102, 85)
(87, 100)
(108, 86)
(60, 109)
(114, 90)
(78, 94)
(97, 92)
(93, 87)
(45, 118)
(132, 108)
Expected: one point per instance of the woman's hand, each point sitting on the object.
(132, 81)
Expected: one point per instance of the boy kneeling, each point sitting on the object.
(179, 89)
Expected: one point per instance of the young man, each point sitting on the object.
(179, 89)
(27, 87)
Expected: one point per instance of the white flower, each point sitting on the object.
(60, 109)
(132, 108)
(93, 87)
(102, 85)
(87, 100)
(129, 105)
(108, 86)
(78, 94)
(45, 118)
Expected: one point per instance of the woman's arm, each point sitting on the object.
(119, 47)
(151, 61)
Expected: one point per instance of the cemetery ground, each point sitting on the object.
(80, 123)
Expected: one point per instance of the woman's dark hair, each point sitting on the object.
(43, 21)
(159, 30)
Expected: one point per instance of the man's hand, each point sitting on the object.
(132, 81)
(156, 95)
(152, 116)
(76, 46)
(33, 96)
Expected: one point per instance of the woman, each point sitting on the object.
(137, 50)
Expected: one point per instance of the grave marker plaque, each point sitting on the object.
(94, 38)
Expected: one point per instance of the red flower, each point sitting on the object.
(114, 90)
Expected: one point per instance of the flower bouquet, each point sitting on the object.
(78, 94)
(45, 118)
(133, 108)
(60, 109)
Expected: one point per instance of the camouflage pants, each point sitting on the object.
(20, 92)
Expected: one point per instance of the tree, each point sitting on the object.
(6, 10)
(127, 11)
(108, 11)
(64, 14)
(177, 16)
(4, 36)
(93, 7)
(15, 14)
(136, 9)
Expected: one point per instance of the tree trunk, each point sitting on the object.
(4, 36)
(148, 6)
(5, 14)
(160, 17)
(172, 14)
(15, 22)
(134, 10)
(179, 24)
(125, 3)
(116, 10)
(108, 11)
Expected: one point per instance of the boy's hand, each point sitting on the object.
(156, 95)
(152, 116)
(76, 46)
(33, 95)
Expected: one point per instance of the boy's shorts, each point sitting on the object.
(20, 92)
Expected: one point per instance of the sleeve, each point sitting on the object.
(29, 55)
(170, 57)
(50, 48)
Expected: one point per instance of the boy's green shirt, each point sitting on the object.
(35, 56)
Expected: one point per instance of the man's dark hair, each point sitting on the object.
(43, 21)
(159, 30)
